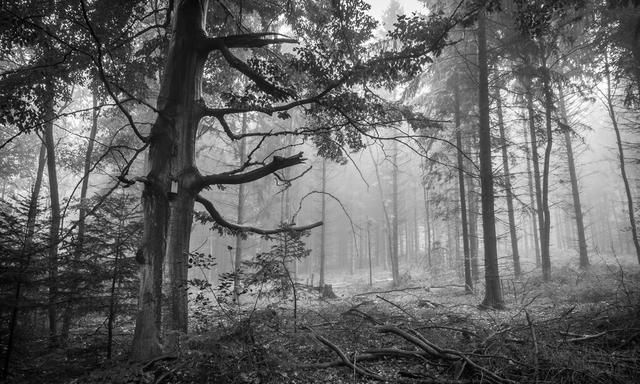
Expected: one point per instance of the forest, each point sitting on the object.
(319, 191)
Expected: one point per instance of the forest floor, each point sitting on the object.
(581, 327)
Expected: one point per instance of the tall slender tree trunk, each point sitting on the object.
(545, 233)
(395, 241)
(25, 259)
(388, 224)
(416, 235)
(507, 186)
(113, 294)
(427, 224)
(54, 229)
(369, 251)
(536, 176)
(82, 215)
(493, 289)
(240, 214)
(575, 189)
(621, 158)
(323, 233)
(533, 211)
(473, 223)
(468, 280)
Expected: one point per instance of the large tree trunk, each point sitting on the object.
(171, 159)
(54, 229)
(507, 186)
(25, 260)
(493, 290)
(545, 232)
(575, 190)
(621, 158)
(468, 280)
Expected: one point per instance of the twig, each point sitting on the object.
(361, 370)
(359, 313)
(390, 291)
(397, 306)
(581, 338)
(429, 348)
(534, 340)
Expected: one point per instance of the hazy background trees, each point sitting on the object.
(394, 166)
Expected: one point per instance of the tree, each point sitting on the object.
(468, 280)
(331, 66)
(609, 96)
(507, 186)
(575, 190)
(493, 289)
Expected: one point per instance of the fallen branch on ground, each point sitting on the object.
(580, 337)
(361, 370)
(391, 291)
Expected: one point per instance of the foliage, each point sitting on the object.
(84, 283)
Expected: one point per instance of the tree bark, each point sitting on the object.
(575, 189)
(54, 229)
(507, 186)
(171, 159)
(468, 280)
(493, 290)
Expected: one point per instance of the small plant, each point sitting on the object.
(269, 272)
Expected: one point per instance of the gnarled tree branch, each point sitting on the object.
(217, 217)
(276, 164)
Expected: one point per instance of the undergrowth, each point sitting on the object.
(581, 327)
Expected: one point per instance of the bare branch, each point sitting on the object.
(217, 217)
(276, 164)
